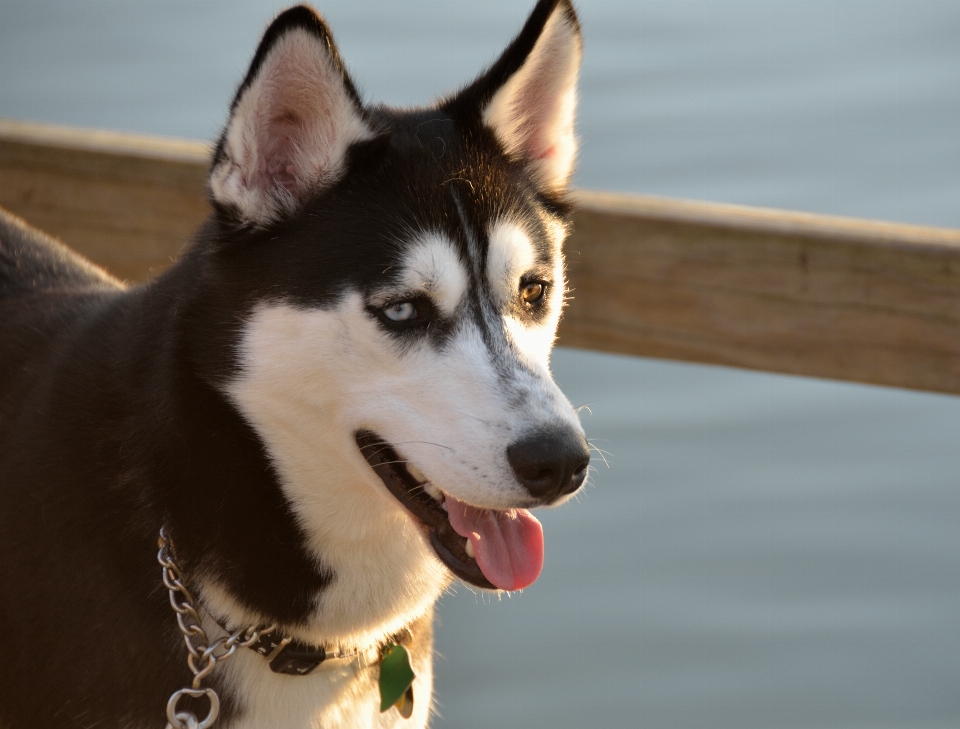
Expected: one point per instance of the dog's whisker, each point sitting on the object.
(471, 415)
(594, 446)
(378, 444)
(600, 452)
(391, 463)
(381, 447)
(586, 405)
(424, 442)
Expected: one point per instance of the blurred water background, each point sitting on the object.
(762, 551)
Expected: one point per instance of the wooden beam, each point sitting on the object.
(764, 289)
(127, 202)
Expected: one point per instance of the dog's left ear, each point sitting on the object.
(528, 97)
(291, 123)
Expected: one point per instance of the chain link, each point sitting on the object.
(203, 656)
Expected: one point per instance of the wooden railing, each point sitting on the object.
(764, 289)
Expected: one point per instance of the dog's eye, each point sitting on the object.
(532, 292)
(401, 311)
(416, 312)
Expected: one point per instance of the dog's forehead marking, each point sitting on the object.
(432, 265)
(473, 242)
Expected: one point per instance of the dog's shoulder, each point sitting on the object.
(47, 292)
(33, 262)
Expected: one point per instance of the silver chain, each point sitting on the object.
(203, 656)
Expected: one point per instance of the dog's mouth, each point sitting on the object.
(493, 549)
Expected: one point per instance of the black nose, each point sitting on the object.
(550, 464)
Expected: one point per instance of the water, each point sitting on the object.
(763, 551)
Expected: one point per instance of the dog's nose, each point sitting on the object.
(550, 464)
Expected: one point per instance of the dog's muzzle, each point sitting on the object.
(489, 548)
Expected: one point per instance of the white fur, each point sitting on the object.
(532, 114)
(431, 267)
(511, 255)
(289, 133)
(345, 698)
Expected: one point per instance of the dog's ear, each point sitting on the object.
(528, 97)
(291, 122)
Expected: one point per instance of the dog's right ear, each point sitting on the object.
(527, 98)
(291, 122)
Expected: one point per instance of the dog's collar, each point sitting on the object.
(283, 654)
(292, 657)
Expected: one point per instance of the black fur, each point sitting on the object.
(113, 420)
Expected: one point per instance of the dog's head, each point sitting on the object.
(402, 280)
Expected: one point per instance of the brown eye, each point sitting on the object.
(532, 293)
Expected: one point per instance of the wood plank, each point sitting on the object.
(766, 289)
(704, 282)
(127, 202)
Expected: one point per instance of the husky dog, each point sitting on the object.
(336, 401)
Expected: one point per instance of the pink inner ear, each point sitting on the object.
(289, 131)
(548, 152)
(302, 106)
(278, 153)
(541, 102)
(533, 112)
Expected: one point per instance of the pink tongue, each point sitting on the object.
(508, 544)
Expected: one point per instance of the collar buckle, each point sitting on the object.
(288, 656)
(297, 659)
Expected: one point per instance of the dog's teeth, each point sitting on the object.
(469, 549)
(416, 473)
(433, 492)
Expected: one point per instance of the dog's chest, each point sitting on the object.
(332, 698)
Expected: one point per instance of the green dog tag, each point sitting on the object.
(396, 680)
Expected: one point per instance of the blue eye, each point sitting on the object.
(403, 311)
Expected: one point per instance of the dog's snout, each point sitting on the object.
(550, 464)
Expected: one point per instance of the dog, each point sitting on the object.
(334, 403)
